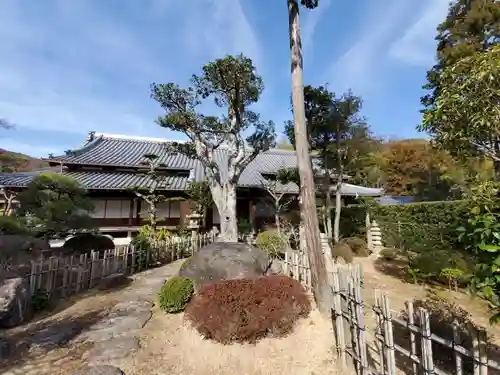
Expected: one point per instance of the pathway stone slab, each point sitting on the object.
(53, 337)
(116, 348)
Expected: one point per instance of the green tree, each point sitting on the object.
(201, 197)
(467, 107)
(309, 216)
(55, 205)
(464, 54)
(340, 137)
(231, 82)
(149, 192)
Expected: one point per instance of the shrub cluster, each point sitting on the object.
(271, 242)
(246, 310)
(344, 251)
(12, 225)
(175, 294)
(358, 246)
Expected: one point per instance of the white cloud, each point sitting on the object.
(30, 149)
(79, 66)
(417, 45)
(218, 27)
(355, 68)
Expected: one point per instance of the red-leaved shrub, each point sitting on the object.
(246, 310)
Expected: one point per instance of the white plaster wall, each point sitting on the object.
(99, 209)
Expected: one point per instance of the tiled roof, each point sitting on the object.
(129, 153)
(96, 180)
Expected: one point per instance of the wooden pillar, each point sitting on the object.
(253, 214)
(131, 212)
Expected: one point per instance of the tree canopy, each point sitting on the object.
(460, 105)
(232, 83)
(55, 205)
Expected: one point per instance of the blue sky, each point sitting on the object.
(69, 67)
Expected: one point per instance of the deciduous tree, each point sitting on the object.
(232, 82)
(464, 55)
(467, 108)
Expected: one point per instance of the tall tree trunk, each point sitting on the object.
(226, 204)
(277, 217)
(338, 209)
(319, 279)
(328, 214)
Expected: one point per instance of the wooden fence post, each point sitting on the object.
(426, 343)
(339, 320)
(388, 336)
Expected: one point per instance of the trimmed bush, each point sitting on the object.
(246, 310)
(421, 226)
(344, 251)
(389, 253)
(358, 246)
(175, 294)
(12, 225)
(271, 242)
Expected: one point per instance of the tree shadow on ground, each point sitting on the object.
(58, 304)
(39, 339)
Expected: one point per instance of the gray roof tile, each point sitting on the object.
(97, 180)
(128, 152)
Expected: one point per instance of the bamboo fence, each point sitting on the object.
(62, 276)
(396, 342)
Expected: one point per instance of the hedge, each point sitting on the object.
(413, 226)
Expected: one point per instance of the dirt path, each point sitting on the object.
(39, 345)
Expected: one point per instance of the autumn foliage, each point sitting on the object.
(247, 310)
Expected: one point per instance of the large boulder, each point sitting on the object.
(14, 302)
(225, 261)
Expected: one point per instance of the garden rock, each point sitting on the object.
(14, 302)
(225, 261)
(116, 348)
(53, 337)
(100, 370)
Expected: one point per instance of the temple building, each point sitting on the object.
(110, 166)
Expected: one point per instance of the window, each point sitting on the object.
(169, 209)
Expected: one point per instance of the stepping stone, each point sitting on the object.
(111, 327)
(54, 337)
(116, 348)
(100, 370)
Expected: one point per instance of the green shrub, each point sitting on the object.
(12, 225)
(141, 245)
(389, 253)
(175, 294)
(429, 266)
(271, 242)
(420, 226)
(40, 299)
(343, 250)
(358, 246)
